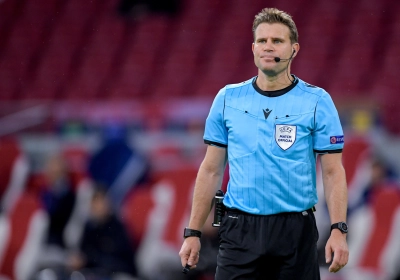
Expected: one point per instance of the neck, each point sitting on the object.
(268, 82)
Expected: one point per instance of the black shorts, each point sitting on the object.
(276, 247)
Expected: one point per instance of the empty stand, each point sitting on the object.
(17, 56)
(315, 38)
(103, 36)
(52, 73)
(357, 55)
(36, 22)
(57, 61)
(139, 63)
(180, 58)
(76, 15)
(9, 11)
(81, 50)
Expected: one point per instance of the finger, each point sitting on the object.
(344, 257)
(184, 261)
(184, 257)
(336, 264)
(333, 268)
(193, 258)
(328, 254)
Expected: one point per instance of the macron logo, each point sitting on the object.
(267, 112)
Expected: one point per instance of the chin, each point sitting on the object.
(269, 72)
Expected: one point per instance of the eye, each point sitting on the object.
(277, 41)
(262, 41)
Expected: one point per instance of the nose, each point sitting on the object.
(268, 47)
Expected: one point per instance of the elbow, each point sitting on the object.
(334, 171)
(212, 170)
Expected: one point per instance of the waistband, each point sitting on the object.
(237, 211)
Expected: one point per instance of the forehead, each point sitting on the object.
(272, 30)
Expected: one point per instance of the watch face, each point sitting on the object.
(344, 227)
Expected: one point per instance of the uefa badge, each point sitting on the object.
(285, 135)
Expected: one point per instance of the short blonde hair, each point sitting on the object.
(273, 15)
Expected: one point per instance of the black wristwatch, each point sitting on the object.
(342, 226)
(191, 232)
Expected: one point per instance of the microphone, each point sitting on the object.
(278, 59)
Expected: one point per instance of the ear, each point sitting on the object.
(252, 47)
(296, 48)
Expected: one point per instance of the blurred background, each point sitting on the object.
(102, 111)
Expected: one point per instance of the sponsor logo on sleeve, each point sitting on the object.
(337, 139)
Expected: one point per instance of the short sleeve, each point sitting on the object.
(328, 133)
(215, 132)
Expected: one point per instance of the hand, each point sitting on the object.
(338, 246)
(190, 252)
(75, 261)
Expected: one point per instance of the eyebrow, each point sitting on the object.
(273, 38)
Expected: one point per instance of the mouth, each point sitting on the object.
(268, 58)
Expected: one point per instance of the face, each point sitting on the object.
(56, 169)
(100, 207)
(272, 40)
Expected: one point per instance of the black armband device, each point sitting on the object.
(219, 210)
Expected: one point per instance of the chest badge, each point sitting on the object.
(285, 135)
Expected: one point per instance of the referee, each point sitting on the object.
(271, 129)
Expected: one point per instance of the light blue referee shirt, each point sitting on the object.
(272, 139)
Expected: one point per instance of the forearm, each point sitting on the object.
(334, 179)
(207, 183)
(336, 193)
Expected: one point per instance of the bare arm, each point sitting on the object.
(335, 188)
(209, 178)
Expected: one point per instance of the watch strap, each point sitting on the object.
(342, 226)
(187, 232)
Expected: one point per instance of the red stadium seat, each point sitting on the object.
(312, 60)
(139, 64)
(80, 31)
(358, 148)
(26, 227)
(9, 11)
(158, 215)
(374, 242)
(16, 57)
(14, 170)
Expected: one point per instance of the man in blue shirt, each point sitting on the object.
(270, 129)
